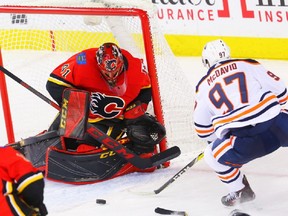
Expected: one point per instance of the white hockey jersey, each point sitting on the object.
(236, 93)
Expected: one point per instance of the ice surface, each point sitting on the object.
(197, 191)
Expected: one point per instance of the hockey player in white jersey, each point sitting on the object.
(239, 112)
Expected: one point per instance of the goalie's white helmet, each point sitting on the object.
(214, 52)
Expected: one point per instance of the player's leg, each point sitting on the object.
(280, 128)
(236, 183)
(243, 145)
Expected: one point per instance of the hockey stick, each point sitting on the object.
(32, 140)
(237, 212)
(178, 174)
(21, 82)
(169, 212)
(130, 156)
(106, 140)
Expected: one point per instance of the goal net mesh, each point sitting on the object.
(33, 44)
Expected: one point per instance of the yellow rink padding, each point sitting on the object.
(241, 47)
(14, 39)
(81, 40)
(60, 40)
(181, 45)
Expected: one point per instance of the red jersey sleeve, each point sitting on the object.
(13, 165)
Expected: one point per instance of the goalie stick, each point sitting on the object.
(106, 140)
(178, 174)
(130, 156)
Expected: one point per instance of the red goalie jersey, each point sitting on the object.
(107, 101)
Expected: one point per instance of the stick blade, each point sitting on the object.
(237, 212)
(165, 156)
(169, 212)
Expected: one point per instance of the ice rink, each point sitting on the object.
(198, 191)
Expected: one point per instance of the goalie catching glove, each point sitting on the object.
(143, 129)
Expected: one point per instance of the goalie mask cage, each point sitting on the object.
(36, 39)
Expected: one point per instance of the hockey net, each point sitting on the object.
(37, 37)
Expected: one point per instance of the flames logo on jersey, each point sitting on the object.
(107, 107)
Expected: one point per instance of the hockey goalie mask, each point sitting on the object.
(110, 61)
(214, 52)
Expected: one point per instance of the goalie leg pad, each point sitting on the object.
(83, 168)
(37, 153)
(34, 148)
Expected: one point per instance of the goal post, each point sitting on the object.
(6, 106)
(36, 39)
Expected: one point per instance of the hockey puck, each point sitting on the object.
(100, 201)
(169, 212)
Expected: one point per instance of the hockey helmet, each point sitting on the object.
(110, 62)
(214, 52)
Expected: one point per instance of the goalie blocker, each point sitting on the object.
(91, 165)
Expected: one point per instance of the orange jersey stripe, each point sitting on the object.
(231, 119)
